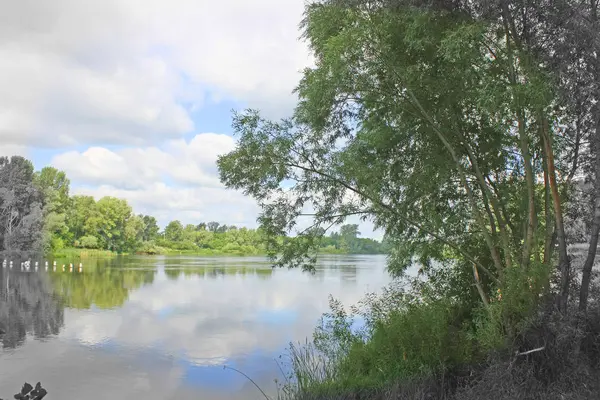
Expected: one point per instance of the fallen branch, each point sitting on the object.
(530, 351)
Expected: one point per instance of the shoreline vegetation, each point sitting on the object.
(77, 253)
(72, 252)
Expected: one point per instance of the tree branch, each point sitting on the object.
(401, 217)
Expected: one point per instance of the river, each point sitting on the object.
(163, 327)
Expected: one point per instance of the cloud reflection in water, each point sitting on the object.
(180, 319)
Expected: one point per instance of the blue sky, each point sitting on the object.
(142, 110)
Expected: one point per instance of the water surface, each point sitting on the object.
(164, 327)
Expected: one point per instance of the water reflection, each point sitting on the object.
(28, 305)
(104, 287)
(169, 324)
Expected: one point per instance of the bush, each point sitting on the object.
(556, 357)
(150, 248)
(88, 242)
(424, 334)
(56, 243)
(419, 340)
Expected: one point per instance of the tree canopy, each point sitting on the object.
(440, 122)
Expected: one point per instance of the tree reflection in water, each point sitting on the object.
(102, 284)
(33, 302)
(28, 305)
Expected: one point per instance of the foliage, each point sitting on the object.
(38, 214)
(556, 357)
(54, 186)
(21, 214)
(415, 332)
(425, 122)
(443, 124)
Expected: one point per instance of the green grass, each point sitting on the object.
(201, 252)
(158, 250)
(82, 253)
(401, 361)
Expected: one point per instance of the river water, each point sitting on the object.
(163, 327)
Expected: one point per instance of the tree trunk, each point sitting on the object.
(589, 262)
(550, 233)
(595, 145)
(528, 246)
(563, 257)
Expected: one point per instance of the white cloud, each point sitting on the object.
(190, 163)
(175, 181)
(12, 150)
(129, 71)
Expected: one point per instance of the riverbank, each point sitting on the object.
(78, 253)
(82, 253)
(556, 357)
(438, 349)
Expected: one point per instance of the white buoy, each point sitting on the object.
(70, 267)
(80, 267)
(63, 267)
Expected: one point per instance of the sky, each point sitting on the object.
(133, 98)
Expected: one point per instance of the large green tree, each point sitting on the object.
(54, 186)
(174, 231)
(109, 222)
(432, 124)
(151, 228)
(21, 216)
(79, 213)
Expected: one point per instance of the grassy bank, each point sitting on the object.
(557, 357)
(95, 253)
(440, 349)
(82, 253)
(202, 252)
(157, 250)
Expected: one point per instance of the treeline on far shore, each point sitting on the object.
(38, 213)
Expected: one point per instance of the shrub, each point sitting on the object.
(417, 341)
(150, 248)
(88, 242)
(56, 243)
(425, 332)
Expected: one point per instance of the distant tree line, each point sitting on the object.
(37, 212)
